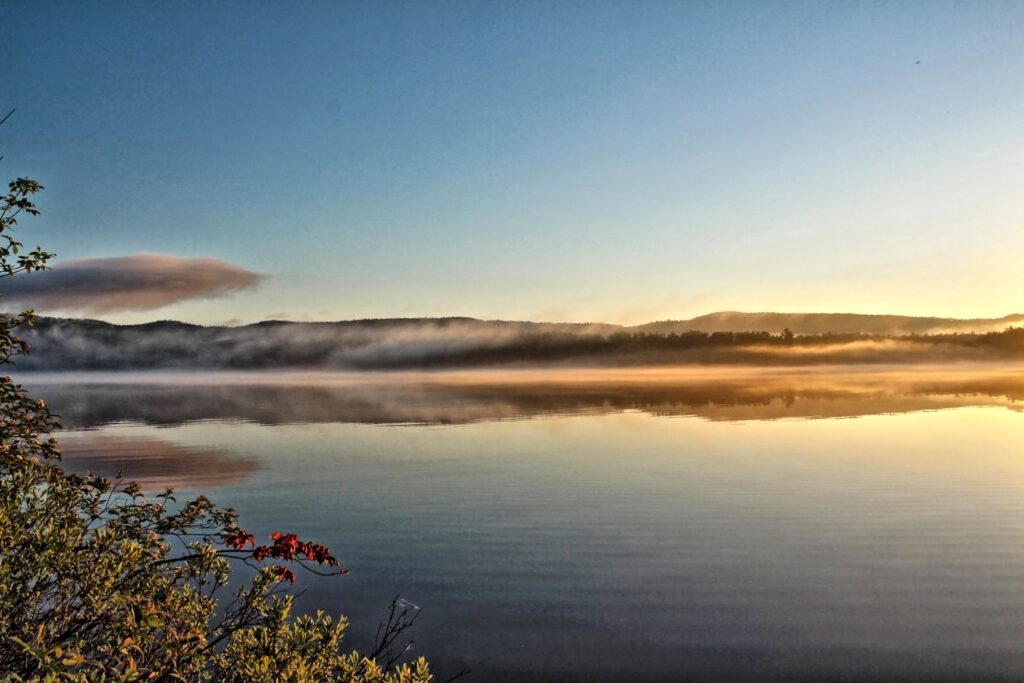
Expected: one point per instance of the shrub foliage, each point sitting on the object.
(101, 582)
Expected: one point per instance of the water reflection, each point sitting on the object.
(87, 401)
(609, 543)
(155, 464)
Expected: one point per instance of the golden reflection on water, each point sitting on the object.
(90, 401)
(459, 397)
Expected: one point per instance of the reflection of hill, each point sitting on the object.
(454, 398)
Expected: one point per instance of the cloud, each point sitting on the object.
(139, 282)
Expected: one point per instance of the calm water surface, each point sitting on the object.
(627, 527)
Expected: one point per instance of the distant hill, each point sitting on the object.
(838, 323)
(434, 343)
(82, 344)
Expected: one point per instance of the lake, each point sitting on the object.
(701, 524)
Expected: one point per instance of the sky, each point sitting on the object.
(599, 161)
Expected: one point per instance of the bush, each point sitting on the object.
(100, 582)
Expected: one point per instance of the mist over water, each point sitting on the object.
(646, 524)
(450, 343)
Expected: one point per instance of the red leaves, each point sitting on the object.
(319, 553)
(239, 539)
(289, 547)
(284, 574)
(285, 547)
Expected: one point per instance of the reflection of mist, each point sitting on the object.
(154, 463)
(455, 398)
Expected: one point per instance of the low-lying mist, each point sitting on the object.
(445, 343)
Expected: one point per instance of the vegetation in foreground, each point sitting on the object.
(99, 582)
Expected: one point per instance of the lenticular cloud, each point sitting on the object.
(139, 282)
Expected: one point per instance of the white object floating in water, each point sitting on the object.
(406, 606)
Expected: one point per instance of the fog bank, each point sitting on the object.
(445, 343)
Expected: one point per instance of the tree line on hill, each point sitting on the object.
(67, 344)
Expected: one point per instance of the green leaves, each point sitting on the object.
(101, 582)
(16, 202)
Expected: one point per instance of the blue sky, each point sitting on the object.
(572, 161)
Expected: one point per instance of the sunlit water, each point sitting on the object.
(857, 526)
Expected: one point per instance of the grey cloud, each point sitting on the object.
(139, 282)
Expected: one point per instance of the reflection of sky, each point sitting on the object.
(552, 160)
(885, 546)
